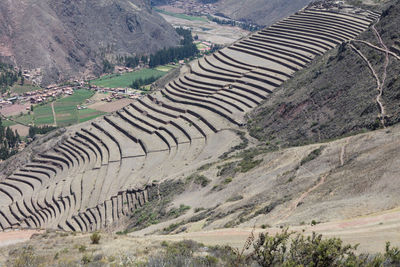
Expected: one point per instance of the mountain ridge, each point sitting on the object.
(66, 38)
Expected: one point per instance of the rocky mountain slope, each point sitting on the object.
(66, 38)
(260, 12)
(94, 175)
(180, 159)
(337, 94)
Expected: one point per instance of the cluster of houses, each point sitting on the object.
(203, 46)
(33, 75)
(194, 7)
(37, 96)
(116, 93)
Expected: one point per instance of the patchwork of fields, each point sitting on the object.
(65, 110)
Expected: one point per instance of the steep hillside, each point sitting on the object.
(260, 12)
(337, 94)
(66, 38)
(96, 174)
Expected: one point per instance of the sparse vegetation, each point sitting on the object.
(248, 163)
(313, 155)
(176, 212)
(284, 248)
(156, 210)
(198, 179)
(234, 198)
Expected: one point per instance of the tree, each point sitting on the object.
(107, 66)
(31, 131)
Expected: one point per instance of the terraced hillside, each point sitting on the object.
(99, 172)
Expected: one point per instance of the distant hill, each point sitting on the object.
(66, 38)
(261, 12)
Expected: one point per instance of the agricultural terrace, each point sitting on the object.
(125, 80)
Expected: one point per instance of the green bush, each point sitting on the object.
(82, 248)
(95, 238)
(198, 179)
(86, 259)
(313, 155)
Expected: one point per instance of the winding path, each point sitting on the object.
(54, 114)
(380, 83)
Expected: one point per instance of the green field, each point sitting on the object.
(7, 123)
(165, 68)
(180, 16)
(43, 115)
(88, 114)
(66, 111)
(126, 79)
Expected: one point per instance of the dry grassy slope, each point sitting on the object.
(260, 12)
(335, 95)
(65, 38)
(352, 177)
(348, 204)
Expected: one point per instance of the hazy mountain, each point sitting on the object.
(262, 12)
(66, 37)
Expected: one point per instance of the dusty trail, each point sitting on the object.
(384, 75)
(296, 203)
(54, 114)
(18, 236)
(292, 207)
(343, 152)
(378, 48)
(378, 84)
(371, 232)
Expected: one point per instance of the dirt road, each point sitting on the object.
(371, 232)
(54, 114)
(14, 237)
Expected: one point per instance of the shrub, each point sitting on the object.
(27, 258)
(95, 238)
(86, 259)
(198, 179)
(234, 198)
(82, 248)
(313, 155)
(198, 209)
(247, 163)
(176, 212)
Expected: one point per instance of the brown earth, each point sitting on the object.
(22, 129)
(16, 109)
(111, 106)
